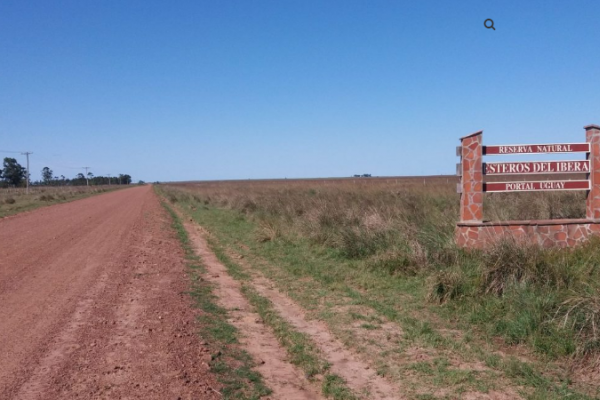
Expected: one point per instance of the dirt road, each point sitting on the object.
(93, 305)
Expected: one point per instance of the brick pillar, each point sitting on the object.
(592, 136)
(471, 197)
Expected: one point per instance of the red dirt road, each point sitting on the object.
(92, 304)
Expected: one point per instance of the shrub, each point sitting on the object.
(580, 313)
(509, 262)
(10, 200)
(358, 243)
(409, 260)
(267, 231)
(172, 198)
(445, 285)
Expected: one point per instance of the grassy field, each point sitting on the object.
(14, 201)
(361, 254)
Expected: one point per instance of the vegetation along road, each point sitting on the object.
(286, 290)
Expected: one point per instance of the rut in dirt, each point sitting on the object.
(358, 374)
(286, 380)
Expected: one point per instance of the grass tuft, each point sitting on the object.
(446, 285)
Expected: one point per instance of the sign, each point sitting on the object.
(537, 148)
(533, 186)
(536, 167)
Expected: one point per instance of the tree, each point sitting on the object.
(46, 175)
(124, 179)
(78, 180)
(13, 173)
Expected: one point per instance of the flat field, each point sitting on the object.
(365, 290)
(14, 201)
(293, 289)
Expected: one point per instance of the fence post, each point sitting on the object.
(471, 197)
(592, 136)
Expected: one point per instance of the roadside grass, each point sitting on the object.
(452, 303)
(232, 365)
(302, 350)
(332, 291)
(14, 201)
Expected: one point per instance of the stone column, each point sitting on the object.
(471, 197)
(592, 136)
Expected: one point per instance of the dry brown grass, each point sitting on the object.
(405, 226)
(366, 216)
(13, 201)
(546, 299)
(360, 217)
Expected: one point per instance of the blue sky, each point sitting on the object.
(184, 90)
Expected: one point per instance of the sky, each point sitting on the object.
(203, 90)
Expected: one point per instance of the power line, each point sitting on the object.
(62, 166)
(55, 164)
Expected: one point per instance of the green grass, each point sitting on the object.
(543, 300)
(302, 350)
(300, 347)
(232, 365)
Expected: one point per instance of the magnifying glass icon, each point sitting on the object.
(490, 25)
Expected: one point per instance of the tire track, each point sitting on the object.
(285, 379)
(359, 375)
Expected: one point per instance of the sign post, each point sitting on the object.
(472, 231)
(471, 192)
(592, 136)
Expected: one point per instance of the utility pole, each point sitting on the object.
(27, 153)
(87, 182)
(109, 179)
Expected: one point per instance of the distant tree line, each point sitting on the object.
(13, 174)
